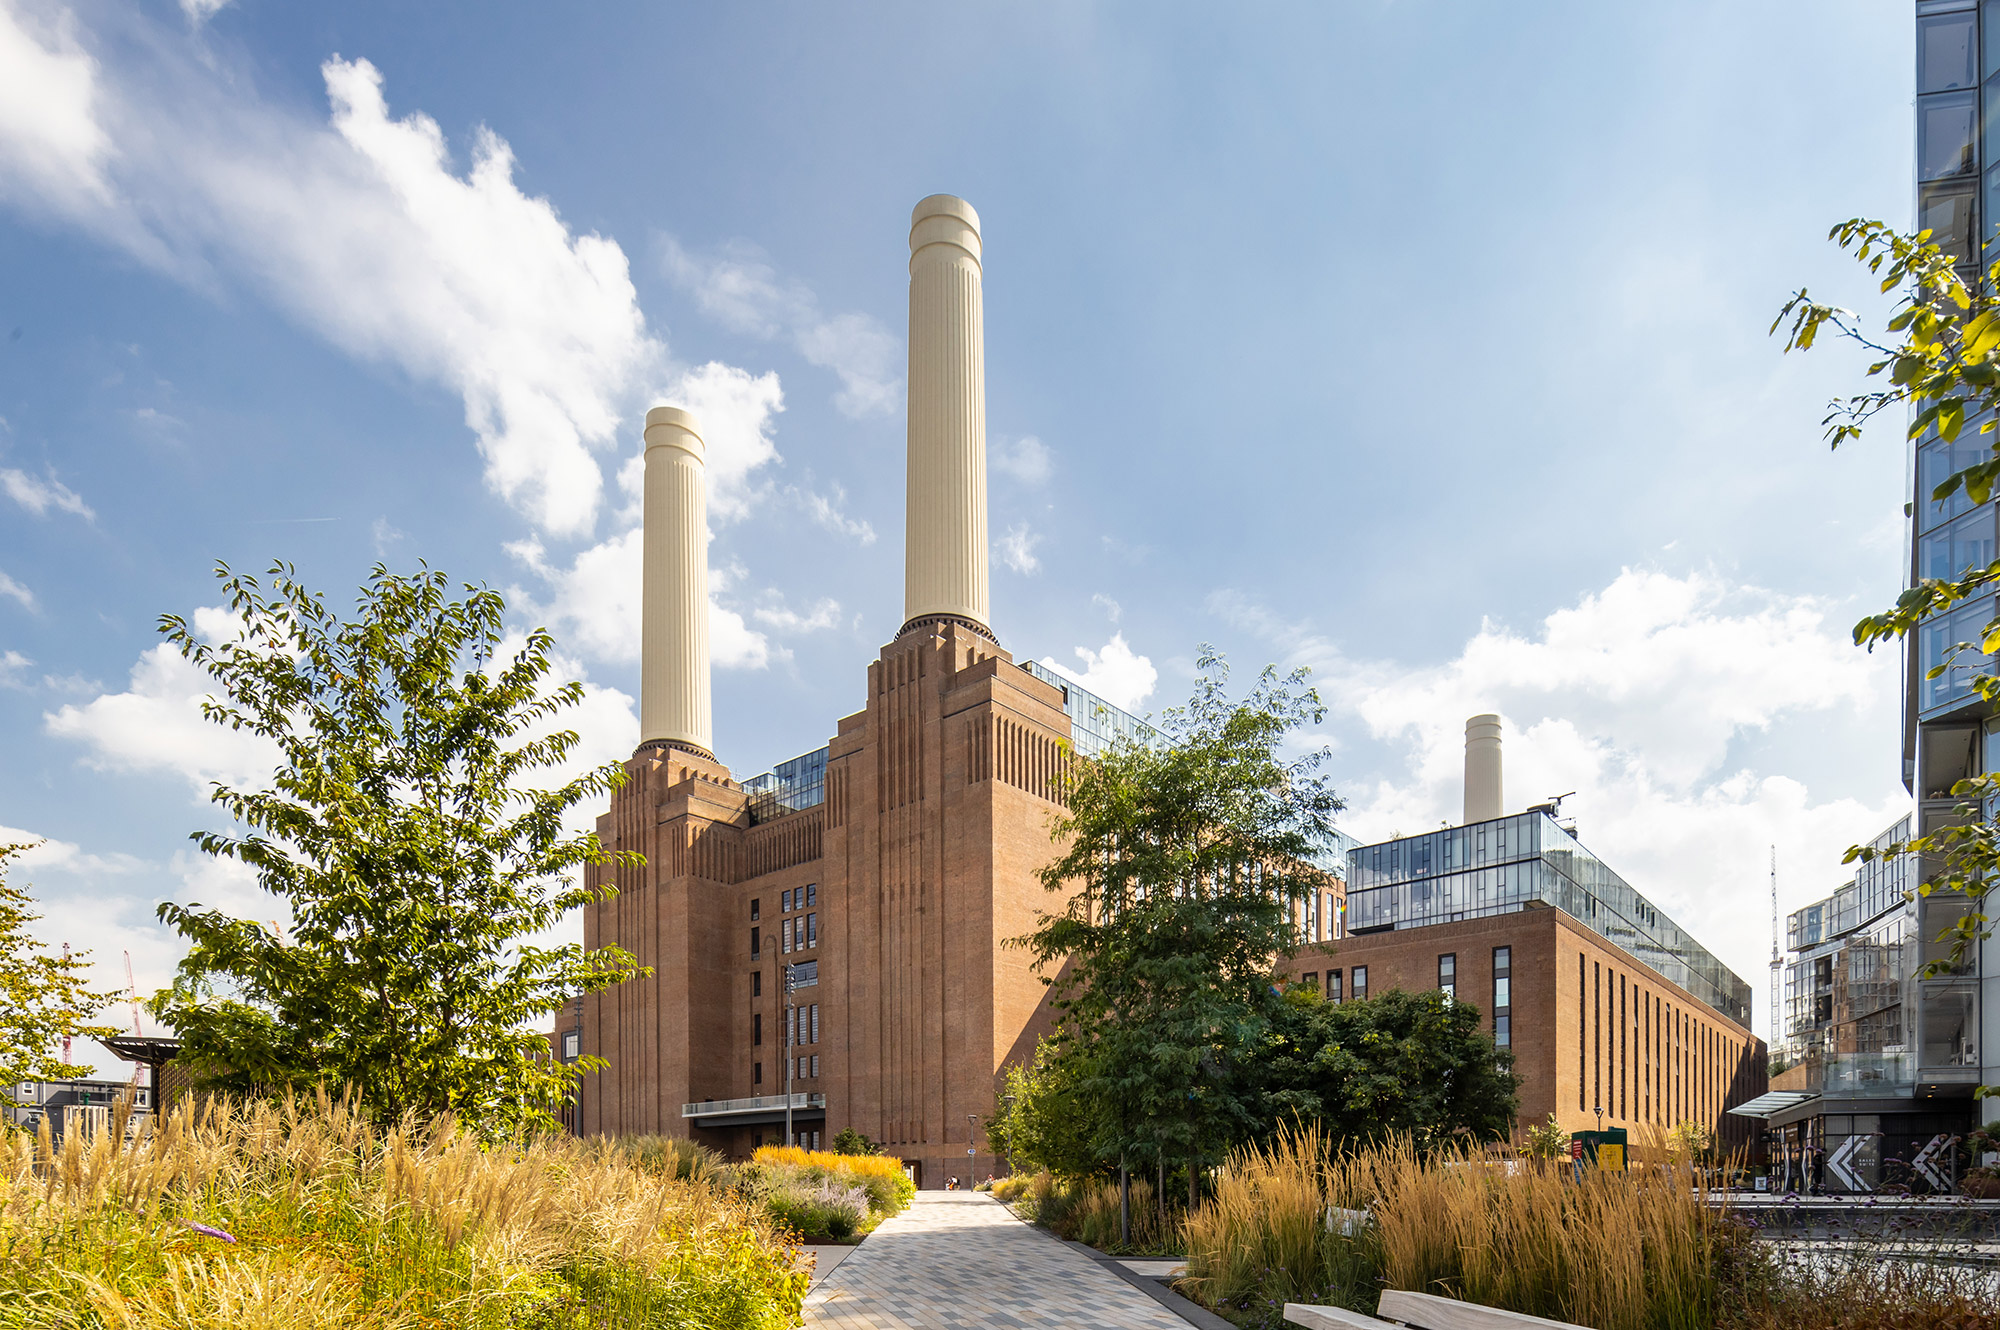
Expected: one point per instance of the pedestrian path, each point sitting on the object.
(959, 1260)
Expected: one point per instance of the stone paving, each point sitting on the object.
(956, 1260)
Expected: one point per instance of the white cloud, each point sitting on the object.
(12, 666)
(53, 150)
(360, 227)
(66, 856)
(824, 614)
(14, 590)
(739, 288)
(156, 723)
(1017, 548)
(1026, 460)
(201, 11)
(1112, 609)
(736, 411)
(38, 496)
(825, 510)
(1640, 698)
(1116, 673)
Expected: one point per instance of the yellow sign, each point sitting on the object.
(1611, 1156)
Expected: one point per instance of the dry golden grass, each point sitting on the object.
(336, 1223)
(1631, 1251)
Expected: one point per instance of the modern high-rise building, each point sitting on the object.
(1615, 1015)
(830, 938)
(1949, 733)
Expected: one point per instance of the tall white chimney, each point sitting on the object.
(1482, 768)
(944, 556)
(674, 708)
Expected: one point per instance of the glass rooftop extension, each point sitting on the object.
(1497, 867)
(1095, 725)
(788, 787)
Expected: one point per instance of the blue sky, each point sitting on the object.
(1422, 344)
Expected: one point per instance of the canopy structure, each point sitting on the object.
(1776, 1101)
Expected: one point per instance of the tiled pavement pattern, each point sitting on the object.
(956, 1260)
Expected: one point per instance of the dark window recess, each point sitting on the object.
(756, 909)
(756, 983)
(757, 1073)
(757, 1029)
(1310, 978)
(756, 942)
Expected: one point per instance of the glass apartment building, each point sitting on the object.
(1499, 867)
(1949, 733)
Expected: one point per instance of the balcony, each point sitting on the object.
(759, 1108)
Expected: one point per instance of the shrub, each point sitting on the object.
(881, 1176)
(822, 1209)
(1086, 1210)
(1010, 1189)
(668, 1156)
(331, 1221)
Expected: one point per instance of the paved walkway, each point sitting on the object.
(956, 1260)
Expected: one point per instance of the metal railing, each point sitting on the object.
(756, 1104)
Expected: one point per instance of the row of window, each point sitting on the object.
(799, 933)
(1360, 975)
(1502, 1010)
(801, 1025)
(805, 1140)
(1643, 1058)
(792, 898)
(803, 1069)
(1951, 67)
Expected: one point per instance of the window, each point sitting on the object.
(757, 1141)
(815, 1024)
(1333, 986)
(1360, 983)
(1940, 635)
(815, 1076)
(755, 945)
(788, 933)
(785, 902)
(757, 1074)
(757, 1028)
(756, 909)
(1944, 208)
(1448, 975)
(815, 1134)
(572, 1045)
(812, 894)
(1945, 53)
(756, 983)
(812, 931)
(791, 1026)
(1310, 979)
(1503, 997)
(1944, 136)
(1965, 543)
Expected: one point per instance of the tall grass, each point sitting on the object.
(1632, 1251)
(332, 1222)
(1087, 1210)
(822, 1195)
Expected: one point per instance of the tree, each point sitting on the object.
(1183, 865)
(1398, 1064)
(1940, 363)
(1043, 1120)
(418, 864)
(848, 1141)
(1546, 1141)
(43, 997)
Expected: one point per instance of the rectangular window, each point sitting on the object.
(755, 945)
(757, 1028)
(756, 983)
(791, 1026)
(1503, 997)
(1310, 979)
(572, 1045)
(815, 1024)
(812, 894)
(1966, 542)
(1333, 986)
(815, 1076)
(756, 909)
(757, 1074)
(1944, 208)
(788, 937)
(1582, 1033)
(784, 902)
(812, 930)
(1597, 1033)
(1448, 974)
(1360, 983)
(1503, 1030)
(1944, 136)
(1940, 636)
(1945, 53)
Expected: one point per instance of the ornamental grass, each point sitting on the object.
(302, 1213)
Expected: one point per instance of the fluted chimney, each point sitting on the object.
(944, 556)
(674, 707)
(1482, 768)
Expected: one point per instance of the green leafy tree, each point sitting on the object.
(1043, 1119)
(1546, 1141)
(848, 1141)
(1182, 867)
(1398, 1064)
(402, 830)
(44, 998)
(1938, 360)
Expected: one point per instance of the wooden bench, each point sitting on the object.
(1418, 1311)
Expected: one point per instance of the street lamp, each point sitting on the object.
(971, 1146)
(791, 1021)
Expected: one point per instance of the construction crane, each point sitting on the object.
(132, 989)
(1777, 966)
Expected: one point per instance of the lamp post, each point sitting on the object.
(971, 1146)
(791, 1020)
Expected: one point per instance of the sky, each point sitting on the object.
(1422, 345)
